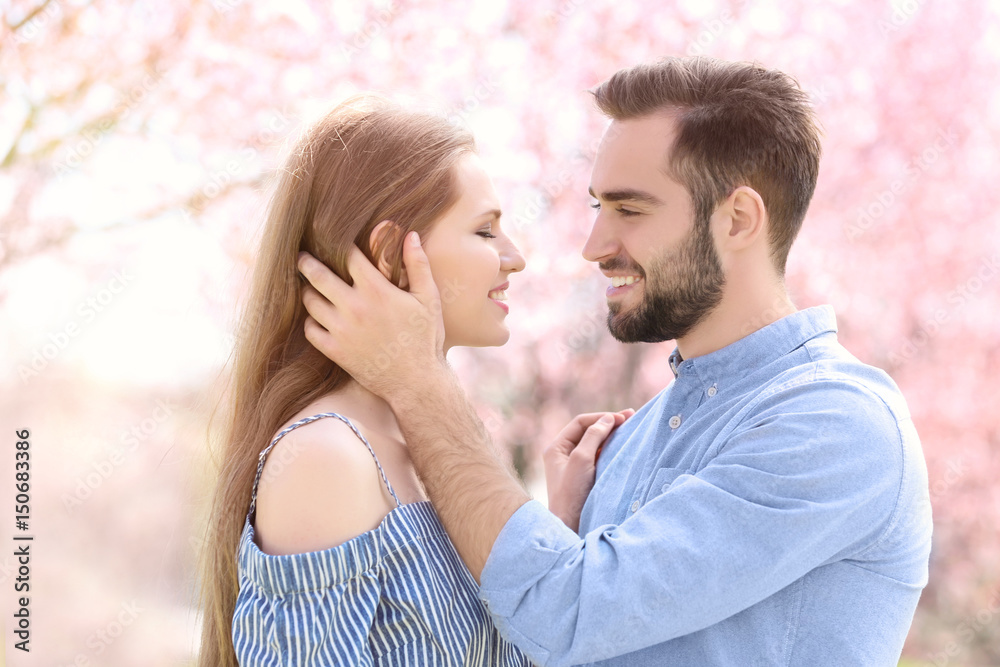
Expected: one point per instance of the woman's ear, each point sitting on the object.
(385, 235)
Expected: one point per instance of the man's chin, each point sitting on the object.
(621, 327)
(624, 328)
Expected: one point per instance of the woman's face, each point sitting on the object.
(469, 267)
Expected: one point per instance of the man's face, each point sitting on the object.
(665, 272)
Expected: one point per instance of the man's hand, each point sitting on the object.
(386, 338)
(392, 342)
(571, 462)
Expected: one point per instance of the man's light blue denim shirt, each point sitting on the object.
(769, 507)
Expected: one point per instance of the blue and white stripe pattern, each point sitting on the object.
(396, 595)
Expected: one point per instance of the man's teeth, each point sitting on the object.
(618, 281)
(499, 295)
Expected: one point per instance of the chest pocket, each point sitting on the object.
(662, 480)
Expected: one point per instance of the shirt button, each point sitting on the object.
(635, 506)
(712, 390)
(665, 487)
(675, 421)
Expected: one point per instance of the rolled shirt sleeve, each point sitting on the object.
(807, 474)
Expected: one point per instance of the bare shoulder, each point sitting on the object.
(320, 487)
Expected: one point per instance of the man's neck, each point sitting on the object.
(741, 312)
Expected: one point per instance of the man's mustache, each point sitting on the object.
(622, 265)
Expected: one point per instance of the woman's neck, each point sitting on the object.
(369, 409)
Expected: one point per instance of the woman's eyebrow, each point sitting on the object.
(492, 213)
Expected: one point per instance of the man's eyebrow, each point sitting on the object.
(628, 194)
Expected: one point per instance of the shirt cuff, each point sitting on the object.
(525, 550)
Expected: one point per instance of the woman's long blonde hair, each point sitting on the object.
(366, 161)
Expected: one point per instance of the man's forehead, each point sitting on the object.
(634, 154)
(656, 128)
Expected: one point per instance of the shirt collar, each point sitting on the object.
(761, 347)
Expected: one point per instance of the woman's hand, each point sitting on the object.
(571, 462)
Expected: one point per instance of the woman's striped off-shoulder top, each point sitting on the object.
(396, 595)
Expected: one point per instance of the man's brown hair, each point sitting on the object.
(737, 124)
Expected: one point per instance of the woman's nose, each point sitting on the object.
(512, 260)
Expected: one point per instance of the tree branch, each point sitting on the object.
(27, 19)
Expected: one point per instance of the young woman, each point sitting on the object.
(323, 549)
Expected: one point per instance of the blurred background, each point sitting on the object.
(137, 140)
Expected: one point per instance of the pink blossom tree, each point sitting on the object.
(129, 128)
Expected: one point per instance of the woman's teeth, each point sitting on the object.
(499, 295)
(618, 281)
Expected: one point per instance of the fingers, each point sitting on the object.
(573, 431)
(362, 271)
(570, 437)
(594, 437)
(320, 338)
(321, 311)
(325, 281)
(625, 414)
(418, 270)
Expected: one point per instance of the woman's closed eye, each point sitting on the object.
(485, 233)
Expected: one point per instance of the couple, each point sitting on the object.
(768, 507)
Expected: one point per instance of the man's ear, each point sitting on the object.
(743, 218)
(386, 234)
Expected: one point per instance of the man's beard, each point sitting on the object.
(681, 288)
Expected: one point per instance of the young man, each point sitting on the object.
(770, 506)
